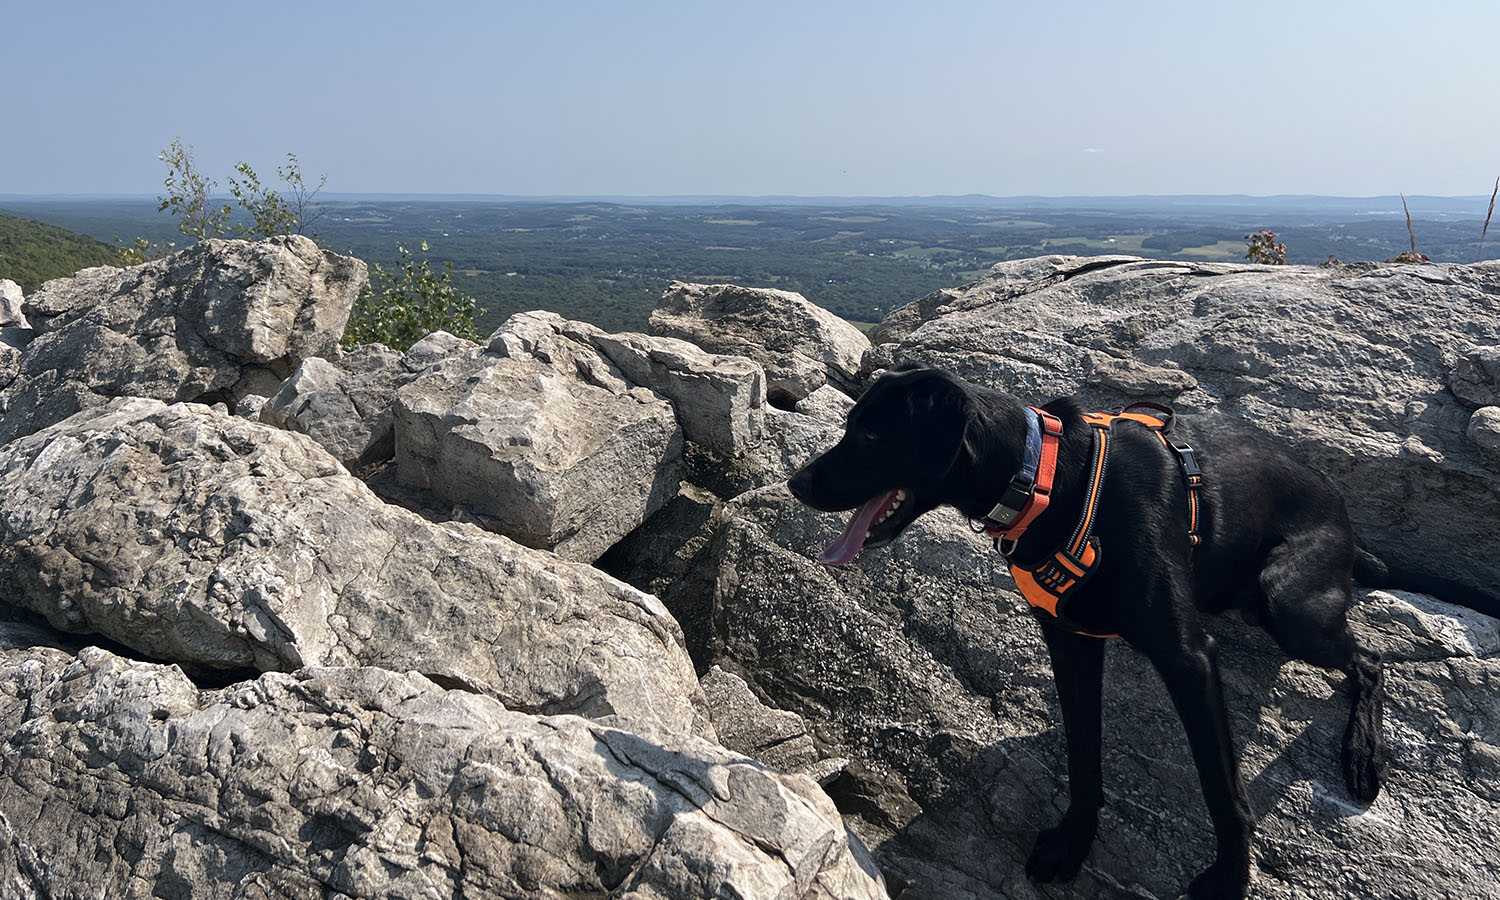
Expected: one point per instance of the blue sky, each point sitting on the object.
(804, 98)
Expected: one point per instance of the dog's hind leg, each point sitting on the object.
(1307, 591)
(1078, 670)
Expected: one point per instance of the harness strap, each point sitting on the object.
(1047, 584)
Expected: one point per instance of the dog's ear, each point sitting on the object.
(942, 408)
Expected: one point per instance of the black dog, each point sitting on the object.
(1275, 543)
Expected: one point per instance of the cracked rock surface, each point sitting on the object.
(122, 779)
(210, 540)
(540, 437)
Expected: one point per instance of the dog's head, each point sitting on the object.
(905, 451)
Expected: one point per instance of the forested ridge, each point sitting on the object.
(32, 252)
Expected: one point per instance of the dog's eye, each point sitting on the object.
(870, 436)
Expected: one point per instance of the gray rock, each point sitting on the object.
(827, 403)
(540, 437)
(1475, 377)
(778, 738)
(1351, 367)
(1484, 431)
(720, 400)
(1005, 281)
(251, 406)
(1132, 378)
(11, 300)
(16, 338)
(800, 345)
(213, 322)
(665, 557)
(367, 783)
(435, 348)
(791, 439)
(348, 406)
(313, 401)
(212, 541)
(921, 665)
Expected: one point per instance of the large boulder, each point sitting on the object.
(214, 322)
(123, 779)
(921, 665)
(216, 542)
(1349, 366)
(800, 345)
(541, 437)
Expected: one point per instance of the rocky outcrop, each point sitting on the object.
(417, 706)
(826, 403)
(217, 321)
(801, 346)
(1369, 372)
(778, 738)
(215, 542)
(126, 780)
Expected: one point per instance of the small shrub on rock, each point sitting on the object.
(1265, 249)
(408, 302)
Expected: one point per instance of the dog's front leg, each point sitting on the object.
(1191, 672)
(1078, 670)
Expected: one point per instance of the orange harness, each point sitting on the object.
(1047, 584)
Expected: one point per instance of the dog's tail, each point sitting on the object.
(1371, 571)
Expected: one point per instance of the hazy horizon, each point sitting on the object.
(677, 99)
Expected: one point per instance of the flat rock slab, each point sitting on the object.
(1349, 366)
(125, 778)
(213, 541)
(217, 321)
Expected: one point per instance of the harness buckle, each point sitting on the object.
(1185, 456)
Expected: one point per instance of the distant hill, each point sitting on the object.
(32, 252)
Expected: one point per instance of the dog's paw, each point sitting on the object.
(1058, 854)
(1221, 881)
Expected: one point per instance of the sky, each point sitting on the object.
(806, 98)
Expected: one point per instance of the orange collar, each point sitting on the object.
(1030, 490)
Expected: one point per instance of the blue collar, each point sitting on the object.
(1033, 458)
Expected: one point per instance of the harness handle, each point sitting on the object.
(1167, 415)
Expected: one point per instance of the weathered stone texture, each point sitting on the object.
(213, 541)
(124, 780)
(216, 321)
(800, 345)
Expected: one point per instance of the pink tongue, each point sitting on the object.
(852, 540)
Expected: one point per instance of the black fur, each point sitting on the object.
(1276, 543)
